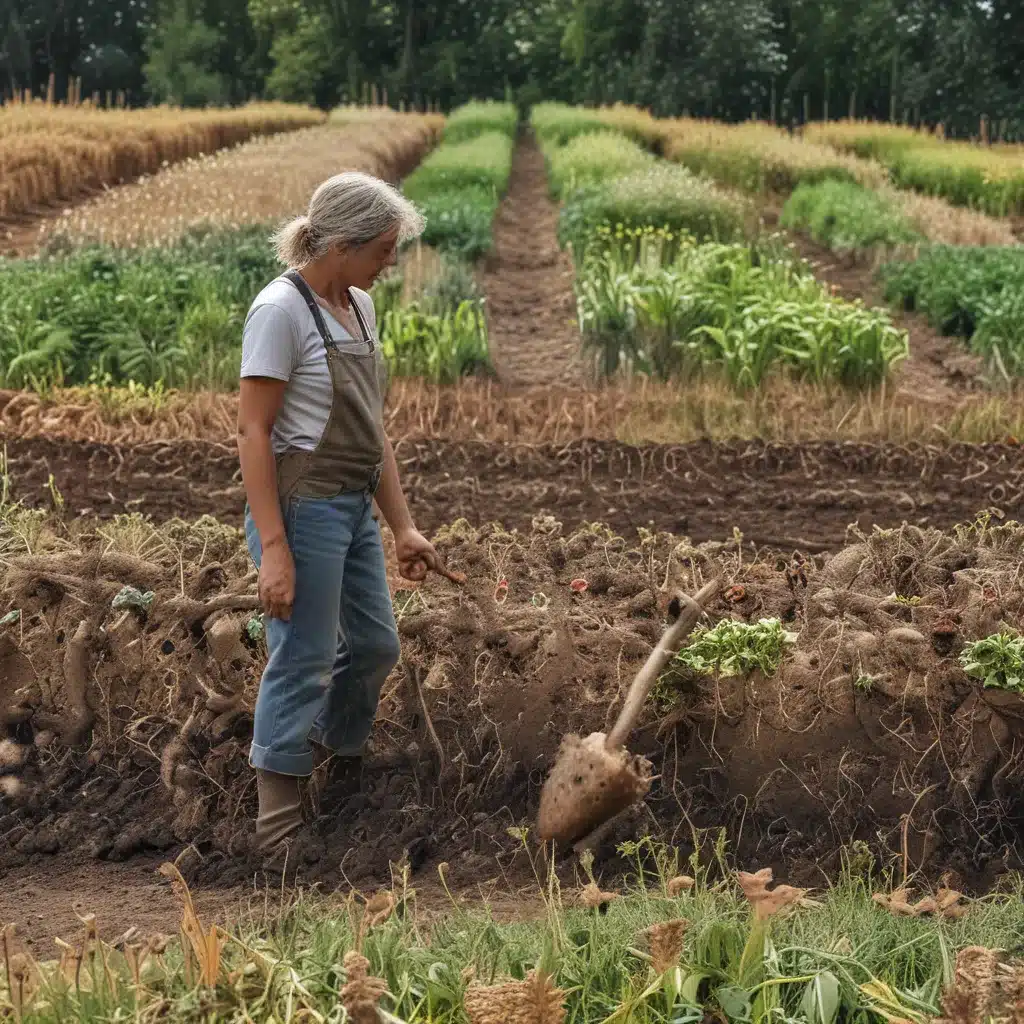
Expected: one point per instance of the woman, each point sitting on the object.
(314, 457)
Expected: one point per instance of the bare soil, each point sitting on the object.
(531, 319)
(128, 729)
(778, 495)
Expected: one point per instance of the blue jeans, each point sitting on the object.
(327, 664)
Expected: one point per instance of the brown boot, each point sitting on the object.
(280, 809)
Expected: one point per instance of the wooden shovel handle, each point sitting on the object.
(670, 642)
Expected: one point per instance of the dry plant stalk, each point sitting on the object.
(665, 942)
(50, 153)
(206, 945)
(377, 910)
(768, 903)
(362, 992)
(478, 410)
(266, 179)
(534, 1000)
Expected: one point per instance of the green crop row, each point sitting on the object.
(846, 216)
(974, 292)
(459, 185)
(989, 178)
(650, 302)
(174, 315)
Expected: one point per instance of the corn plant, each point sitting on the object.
(739, 311)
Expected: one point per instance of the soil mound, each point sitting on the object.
(130, 656)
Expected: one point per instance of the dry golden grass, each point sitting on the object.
(263, 180)
(940, 221)
(758, 157)
(51, 153)
(484, 411)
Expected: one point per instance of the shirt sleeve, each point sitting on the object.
(269, 344)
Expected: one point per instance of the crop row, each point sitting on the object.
(458, 187)
(989, 178)
(262, 181)
(50, 153)
(667, 285)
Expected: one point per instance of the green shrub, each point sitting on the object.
(663, 196)
(594, 158)
(479, 118)
(976, 292)
(740, 311)
(844, 216)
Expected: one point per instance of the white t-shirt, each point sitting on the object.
(280, 340)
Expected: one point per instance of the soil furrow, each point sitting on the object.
(532, 330)
(778, 495)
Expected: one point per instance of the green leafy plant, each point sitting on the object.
(732, 648)
(740, 311)
(997, 660)
(976, 292)
(844, 215)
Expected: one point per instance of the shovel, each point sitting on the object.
(595, 778)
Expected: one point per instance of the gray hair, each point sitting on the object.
(349, 209)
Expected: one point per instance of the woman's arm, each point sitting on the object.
(259, 402)
(414, 552)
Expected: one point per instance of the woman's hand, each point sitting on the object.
(277, 580)
(416, 555)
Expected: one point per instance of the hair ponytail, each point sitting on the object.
(295, 243)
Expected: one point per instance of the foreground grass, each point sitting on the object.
(669, 948)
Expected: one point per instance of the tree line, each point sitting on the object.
(912, 61)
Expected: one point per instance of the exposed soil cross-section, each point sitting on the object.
(532, 327)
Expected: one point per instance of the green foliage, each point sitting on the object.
(997, 660)
(478, 118)
(173, 316)
(663, 196)
(440, 347)
(739, 311)
(844, 216)
(735, 648)
(594, 158)
(459, 185)
(459, 221)
(484, 161)
(816, 965)
(556, 124)
(972, 291)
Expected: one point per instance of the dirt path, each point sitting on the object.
(528, 282)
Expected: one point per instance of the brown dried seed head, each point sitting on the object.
(592, 897)
(12, 755)
(768, 903)
(535, 1000)
(665, 941)
(380, 907)
(680, 884)
(362, 993)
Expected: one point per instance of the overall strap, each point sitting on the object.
(307, 293)
(367, 337)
